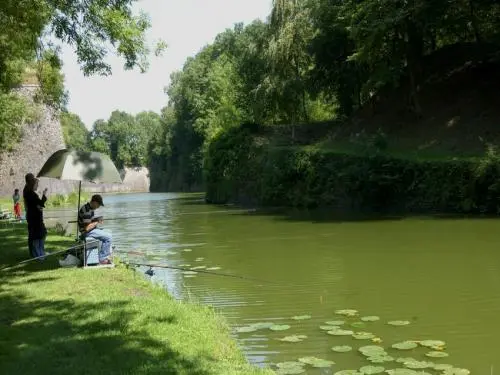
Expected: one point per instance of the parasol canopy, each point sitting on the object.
(80, 166)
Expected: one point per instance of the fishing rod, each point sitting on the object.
(40, 257)
(200, 271)
(179, 214)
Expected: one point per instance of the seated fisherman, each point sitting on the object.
(87, 223)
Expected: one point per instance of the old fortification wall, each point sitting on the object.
(41, 139)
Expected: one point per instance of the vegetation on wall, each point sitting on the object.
(239, 167)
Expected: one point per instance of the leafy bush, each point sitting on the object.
(239, 168)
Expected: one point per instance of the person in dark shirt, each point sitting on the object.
(34, 216)
(87, 224)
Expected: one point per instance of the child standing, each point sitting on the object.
(17, 205)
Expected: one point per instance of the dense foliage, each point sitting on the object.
(248, 171)
(313, 60)
(92, 27)
(127, 139)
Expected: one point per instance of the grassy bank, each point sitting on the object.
(53, 201)
(245, 165)
(107, 321)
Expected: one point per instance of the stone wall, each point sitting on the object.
(40, 140)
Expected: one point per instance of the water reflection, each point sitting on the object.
(442, 275)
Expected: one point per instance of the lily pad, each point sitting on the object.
(213, 268)
(372, 318)
(329, 328)
(405, 345)
(371, 370)
(246, 329)
(342, 348)
(380, 358)
(371, 350)
(290, 371)
(456, 371)
(418, 365)
(442, 367)
(363, 335)
(262, 325)
(437, 354)
(289, 364)
(293, 338)
(358, 325)
(301, 317)
(187, 250)
(432, 343)
(340, 332)
(402, 371)
(398, 322)
(348, 372)
(290, 368)
(279, 327)
(335, 322)
(316, 362)
(347, 312)
(405, 359)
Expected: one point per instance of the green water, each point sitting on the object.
(443, 275)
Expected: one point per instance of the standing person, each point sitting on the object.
(34, 216)
(87, 224)
(17, 205)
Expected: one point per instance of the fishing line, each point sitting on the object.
(171, 214)
(200, 271)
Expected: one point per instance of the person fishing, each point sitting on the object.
(87, 224)
(34, 216)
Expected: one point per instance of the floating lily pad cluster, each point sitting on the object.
(380, 357)
(262, 325)
(299, 367)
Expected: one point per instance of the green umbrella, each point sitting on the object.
(80, 166)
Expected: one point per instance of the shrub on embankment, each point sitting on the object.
(244, 166)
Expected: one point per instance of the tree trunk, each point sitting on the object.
(415, 50)
(473, 19)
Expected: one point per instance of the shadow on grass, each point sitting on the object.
(62, 337)
(15, 248)
(46, 335)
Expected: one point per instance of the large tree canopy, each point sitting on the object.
(312, 60)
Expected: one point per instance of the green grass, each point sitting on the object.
(399, 151)
(54, 200)
(102, 321)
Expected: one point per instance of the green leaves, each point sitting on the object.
(126, 138)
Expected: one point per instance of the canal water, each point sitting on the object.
(439, 277)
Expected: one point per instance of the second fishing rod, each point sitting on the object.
(177, 214)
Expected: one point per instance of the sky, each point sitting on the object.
(186, 26)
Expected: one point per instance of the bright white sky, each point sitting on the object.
(186, 26)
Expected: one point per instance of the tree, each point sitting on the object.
(126, 138)
(76, 135)
(92, 27)
(288, 57)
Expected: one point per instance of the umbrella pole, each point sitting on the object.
(78, 207)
